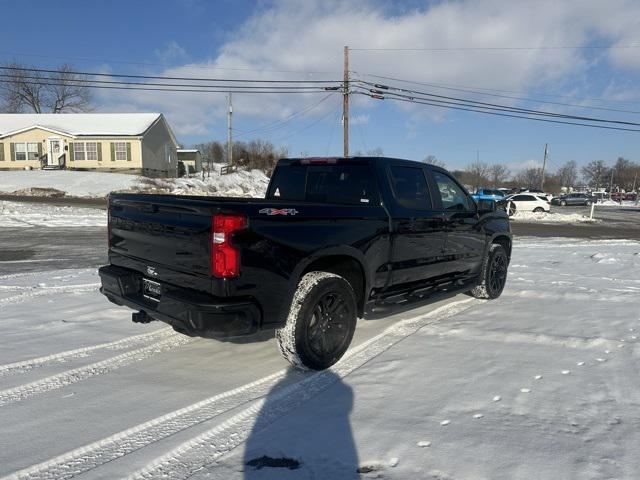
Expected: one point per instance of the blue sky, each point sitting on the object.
(243, 39)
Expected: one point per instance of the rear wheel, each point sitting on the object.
(321, 322)
(511, 209)
(563, 203)
(538, 210)
(588, 203)
(494, 273)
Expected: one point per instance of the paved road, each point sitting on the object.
(42, 249)
(45, 249)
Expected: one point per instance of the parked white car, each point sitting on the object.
(539, 192)
(526, 202)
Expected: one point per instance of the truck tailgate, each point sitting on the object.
(175, 235)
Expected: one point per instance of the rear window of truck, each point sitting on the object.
(343, 184)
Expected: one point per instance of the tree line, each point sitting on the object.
(623, 174)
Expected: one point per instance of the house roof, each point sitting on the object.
(76, 124)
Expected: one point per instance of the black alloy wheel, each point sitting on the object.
(497, 273)
(327, 325)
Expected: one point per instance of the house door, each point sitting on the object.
(55, 152)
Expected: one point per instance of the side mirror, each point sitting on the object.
(486, 206)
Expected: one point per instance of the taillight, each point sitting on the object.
(225, 257)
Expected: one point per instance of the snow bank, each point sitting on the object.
(543, 217)
(13, 214)
(611, 203)
(240, 183)
(73, 183)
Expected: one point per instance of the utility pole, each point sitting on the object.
(544, 165)
(229, 133)
(345, 103)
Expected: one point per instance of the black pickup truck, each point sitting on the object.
(331, 236)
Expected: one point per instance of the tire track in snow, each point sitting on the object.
(28, 365)
(91, 456)
(207, 448)
(22, 392)
(34, 293)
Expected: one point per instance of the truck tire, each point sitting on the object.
(494, 273)
(321, 322)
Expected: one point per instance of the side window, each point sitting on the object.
(410, 188)
(453, 197)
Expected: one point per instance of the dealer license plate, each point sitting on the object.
(151, 290)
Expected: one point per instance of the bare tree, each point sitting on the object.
(567, 174)
(433, 160)
(212, 151)
(478, 174)
(595, 173)
(498, 174)
(24, 90)
(626, 173)
(529, 178)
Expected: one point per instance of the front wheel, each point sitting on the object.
(321, 322)
(494, 273)
(563, 203)
(538, 210)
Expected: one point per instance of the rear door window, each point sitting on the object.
(410, 187)
(343, 184)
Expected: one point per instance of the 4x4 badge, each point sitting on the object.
(278, 211)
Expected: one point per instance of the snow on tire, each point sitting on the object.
(493, 275)
(321, 322)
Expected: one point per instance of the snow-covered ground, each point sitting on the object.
(541, 383)
(240, 183)
(74, 183)
(14, 214)
(624, 203)
(544, 217)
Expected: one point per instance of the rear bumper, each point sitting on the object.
(188, 311)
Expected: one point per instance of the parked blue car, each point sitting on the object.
(488, 194)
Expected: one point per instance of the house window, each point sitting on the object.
(78, 151)
(91, 150)
(120, 150)
(21, 151)
(32, 151)
(85, 151)
(26, 151)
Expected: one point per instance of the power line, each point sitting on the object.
(483, 90)
(541, 47)
(165, 65)
(160, 77)
(306, 127)
(269, 127)
(526, 99)
(309, 89)
(385, 89)
(500, 114)
(188, 85)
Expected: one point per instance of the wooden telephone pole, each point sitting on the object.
(345, 104)
(544, 165)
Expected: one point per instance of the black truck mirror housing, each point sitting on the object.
(486, 206)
